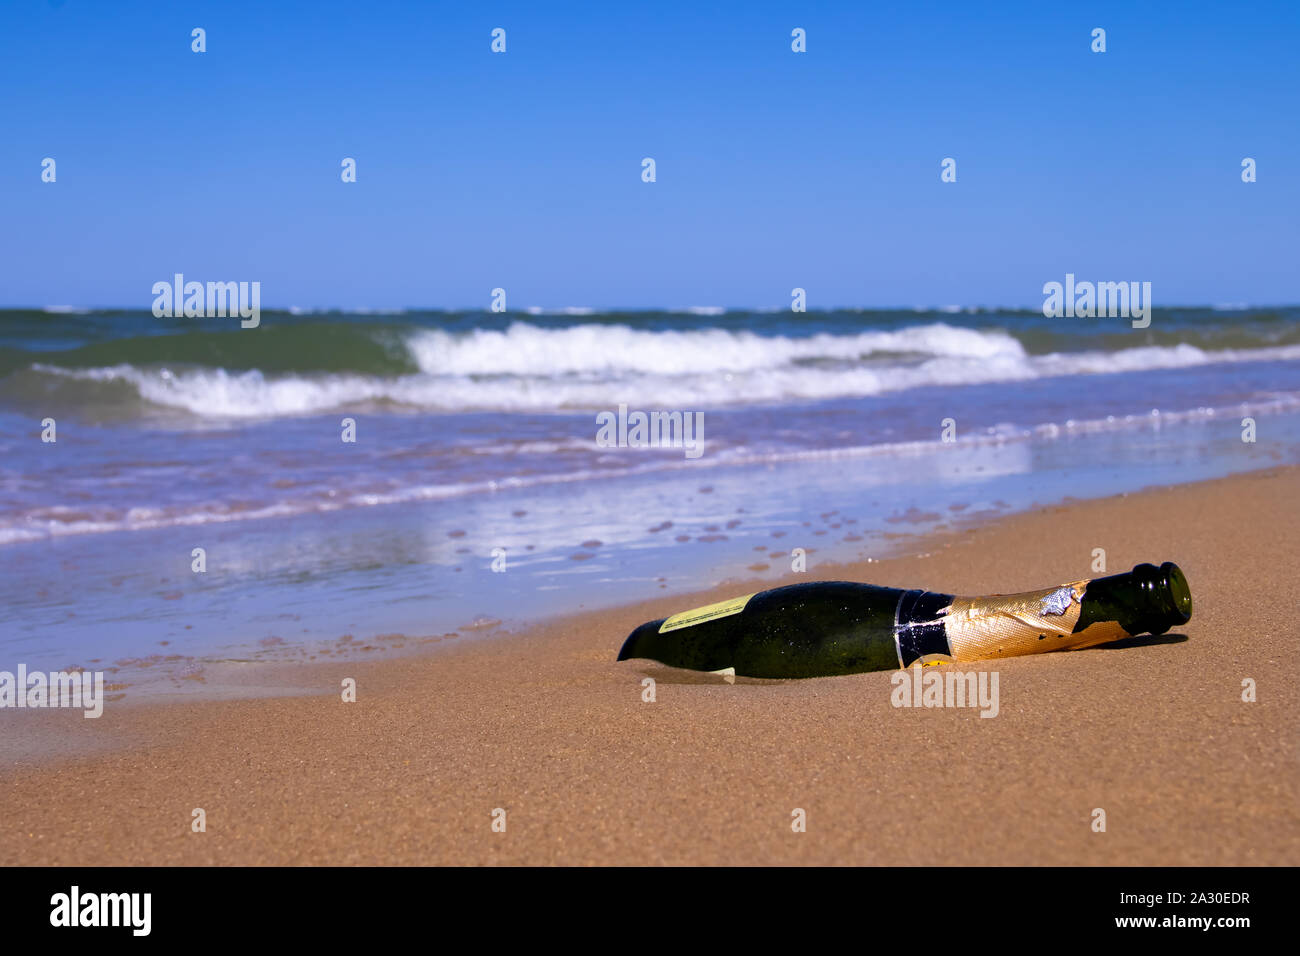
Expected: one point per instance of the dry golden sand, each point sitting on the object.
(549, 727)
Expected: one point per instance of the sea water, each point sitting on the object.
(200, 500)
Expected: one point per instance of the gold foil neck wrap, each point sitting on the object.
(1006, 625)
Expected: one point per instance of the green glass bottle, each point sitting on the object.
(839, 627)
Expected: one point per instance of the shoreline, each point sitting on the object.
(161, 603)
(848, 533)
(544, 723)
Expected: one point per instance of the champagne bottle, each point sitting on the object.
(839, 627)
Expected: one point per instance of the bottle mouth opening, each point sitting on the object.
(1180, 595)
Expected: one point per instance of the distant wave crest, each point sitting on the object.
(529, 368)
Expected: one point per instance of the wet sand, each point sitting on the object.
(548, 727)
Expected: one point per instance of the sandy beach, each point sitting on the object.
(548, 727)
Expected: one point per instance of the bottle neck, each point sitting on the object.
(1148, 599)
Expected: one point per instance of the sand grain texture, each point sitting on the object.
(549, 727)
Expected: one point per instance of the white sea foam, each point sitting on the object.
(60, 521)
(524, 349)
(528, 368)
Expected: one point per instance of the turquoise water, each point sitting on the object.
(476, 448)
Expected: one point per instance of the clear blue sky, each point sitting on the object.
(522, 170)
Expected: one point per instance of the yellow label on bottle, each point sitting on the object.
(710, 612)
